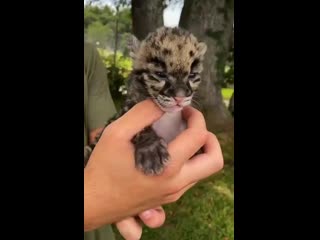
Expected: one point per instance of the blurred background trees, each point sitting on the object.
(108, 23)
(212, 22)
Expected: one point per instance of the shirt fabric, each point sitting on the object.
(98, 108)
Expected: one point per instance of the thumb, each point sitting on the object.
(129, 228)
(138, 117)
(153, 218)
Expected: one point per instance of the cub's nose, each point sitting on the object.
(179, 99)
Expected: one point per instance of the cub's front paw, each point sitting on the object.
(152, 157)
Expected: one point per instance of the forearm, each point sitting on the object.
(90, 221)
(96, 212)
(92, 217)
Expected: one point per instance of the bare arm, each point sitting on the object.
(110, 192)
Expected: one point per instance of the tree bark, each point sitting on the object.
(146, 16)
(115, 43)
(211, 21)
(231, 105)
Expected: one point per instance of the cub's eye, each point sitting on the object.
(192, 75)
(161, 74)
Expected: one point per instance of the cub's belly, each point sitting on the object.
(169, 126)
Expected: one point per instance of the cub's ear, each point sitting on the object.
(202, 48)
(133, 45)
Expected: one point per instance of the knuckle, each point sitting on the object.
(128, 230)
(201, 135)
(170, 171)
(220, 163)
(219, 160)
(173, 189)
(195, 112)
(119, 134)
(214, 138)
(199, 115)
(173, 198)
(198, 132)
(109, 129)
(113, 131)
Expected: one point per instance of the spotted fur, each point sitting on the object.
(166, 67)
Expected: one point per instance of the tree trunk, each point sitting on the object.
(211, 21)
(115, 43)
(231, 105)
(146, 16)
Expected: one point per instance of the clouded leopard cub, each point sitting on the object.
(166, 68)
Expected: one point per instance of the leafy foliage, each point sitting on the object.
(229, 70)
(117, 74)
(100, 24)
(98, 33)
(227, 93)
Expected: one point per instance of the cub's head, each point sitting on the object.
(170, 62)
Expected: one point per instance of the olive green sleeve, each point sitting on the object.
(100, 104)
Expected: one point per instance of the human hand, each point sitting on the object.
(115, 189)
(131, 229)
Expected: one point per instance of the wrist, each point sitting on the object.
(90, 203)
(98, 207)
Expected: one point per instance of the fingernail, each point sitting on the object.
(146, 214)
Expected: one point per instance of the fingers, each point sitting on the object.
(194, 118)
(204, 165)
(177, 195)
(129, 228)
(185, 145)
(140, 116)
(153, 218)
(186, 188)
(191, 140)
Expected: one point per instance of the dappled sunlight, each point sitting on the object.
(224, 191)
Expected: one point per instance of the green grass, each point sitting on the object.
(227, 93)
(205, 212)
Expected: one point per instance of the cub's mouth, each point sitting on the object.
(172, 104)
